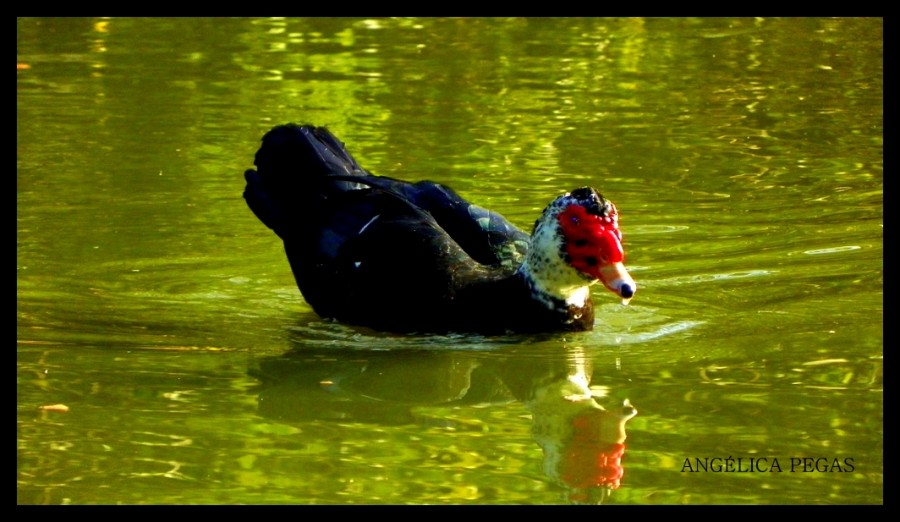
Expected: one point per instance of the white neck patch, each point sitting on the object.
(547, 271)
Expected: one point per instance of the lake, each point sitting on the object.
(166, 356)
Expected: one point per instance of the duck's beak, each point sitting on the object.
(616, 279)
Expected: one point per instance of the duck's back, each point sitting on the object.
(375, 250)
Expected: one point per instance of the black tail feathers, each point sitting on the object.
(293, 150)
(295, 170)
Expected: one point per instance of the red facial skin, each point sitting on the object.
(593, 455)
(591, 240)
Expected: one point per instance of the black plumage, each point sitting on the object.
(394, 255)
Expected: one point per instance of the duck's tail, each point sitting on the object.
(297, 168)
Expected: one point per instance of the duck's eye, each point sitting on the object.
(591, 261)
(581, 242)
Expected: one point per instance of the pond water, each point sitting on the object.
(165, 355)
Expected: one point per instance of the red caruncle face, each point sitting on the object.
(590, 240)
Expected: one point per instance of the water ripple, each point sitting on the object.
(656, 229)
(704, 278)
(831, 250)
(662, 331)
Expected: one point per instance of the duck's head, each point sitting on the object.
(575, 243)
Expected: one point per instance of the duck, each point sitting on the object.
(414, 256)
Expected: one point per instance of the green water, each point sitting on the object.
(746, 159)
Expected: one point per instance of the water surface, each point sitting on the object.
(746, 159)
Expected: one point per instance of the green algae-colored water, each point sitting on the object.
(746, 159)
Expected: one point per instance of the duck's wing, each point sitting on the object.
(485, 235)
(376, 258)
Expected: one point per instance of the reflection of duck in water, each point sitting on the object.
(582, 442)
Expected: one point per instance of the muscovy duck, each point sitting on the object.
(416, 257)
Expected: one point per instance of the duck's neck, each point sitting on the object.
(553, 282)
(551, 279)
